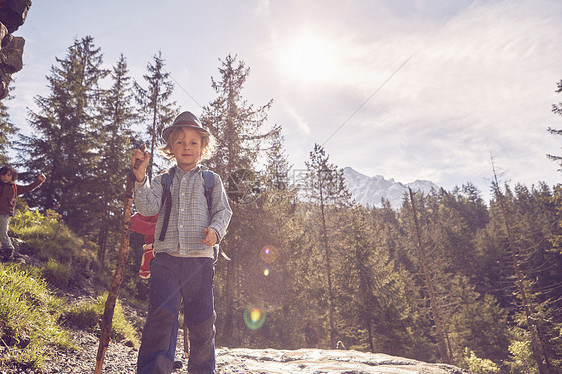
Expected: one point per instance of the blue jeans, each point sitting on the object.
(7, 246)
(172, 278)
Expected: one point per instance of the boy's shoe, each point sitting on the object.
(147, 256)
(177, 364)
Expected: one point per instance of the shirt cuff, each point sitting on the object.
(140, 184)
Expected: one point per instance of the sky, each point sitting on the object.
(410, 90)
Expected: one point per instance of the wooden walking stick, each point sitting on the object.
(107, 319)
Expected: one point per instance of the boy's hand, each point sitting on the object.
(140, 161)
(210, 238)
(42, 177)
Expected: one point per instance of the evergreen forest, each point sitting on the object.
(447, 278)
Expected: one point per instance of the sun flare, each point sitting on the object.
(309, 59)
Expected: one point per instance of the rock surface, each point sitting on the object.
(12, 16)
(311, 361)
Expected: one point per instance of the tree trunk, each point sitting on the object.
(333, 332)
(102, 244)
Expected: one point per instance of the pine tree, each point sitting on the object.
(7, 128)
(556, 109)
(239, 130)
(114, 163)
(476, 324)
(283, 227)
(326, 189)
(556, 200)
(449, 264)
(237, 126)
(528, 269)
(156, 108)
(269, 279)
(372, 302)
(428, 270)
(64, 145)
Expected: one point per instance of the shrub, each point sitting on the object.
(523, 361)
(479, 365)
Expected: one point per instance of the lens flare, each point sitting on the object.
(266, 272)
(269, 254)
(254, 318)
(255, 315)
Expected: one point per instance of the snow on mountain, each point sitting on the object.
(369, 191)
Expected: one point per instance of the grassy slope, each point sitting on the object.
(33, 319)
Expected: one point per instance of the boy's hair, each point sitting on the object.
(8, 169)
(207, 143)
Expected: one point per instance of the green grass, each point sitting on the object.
(48, 238)
(57, 274)
(86, 316)
(29, 313)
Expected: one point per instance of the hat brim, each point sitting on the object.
(168, 130)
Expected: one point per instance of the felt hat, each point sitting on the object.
(185, 119)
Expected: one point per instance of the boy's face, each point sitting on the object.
(187, 149)
(6, 178)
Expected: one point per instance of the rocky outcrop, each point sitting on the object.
(12, 16)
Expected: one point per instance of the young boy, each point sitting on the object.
(183, 265)
(9, 190)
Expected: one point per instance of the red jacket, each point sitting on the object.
(8, 195)
(145, 225)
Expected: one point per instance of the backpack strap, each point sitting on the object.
(209, 181)
(166, 181)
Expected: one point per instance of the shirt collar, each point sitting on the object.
(180, 173)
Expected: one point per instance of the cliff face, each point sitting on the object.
(12, 16)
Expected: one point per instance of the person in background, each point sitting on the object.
(9, 190)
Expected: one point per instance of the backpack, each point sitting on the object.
(167, 177)
(14, 187)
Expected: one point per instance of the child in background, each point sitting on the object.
(183, 265)
(9, 190)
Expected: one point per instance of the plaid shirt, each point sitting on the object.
(189, 215)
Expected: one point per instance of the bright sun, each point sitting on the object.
(309, 59)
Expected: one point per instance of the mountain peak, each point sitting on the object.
(370, 191)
